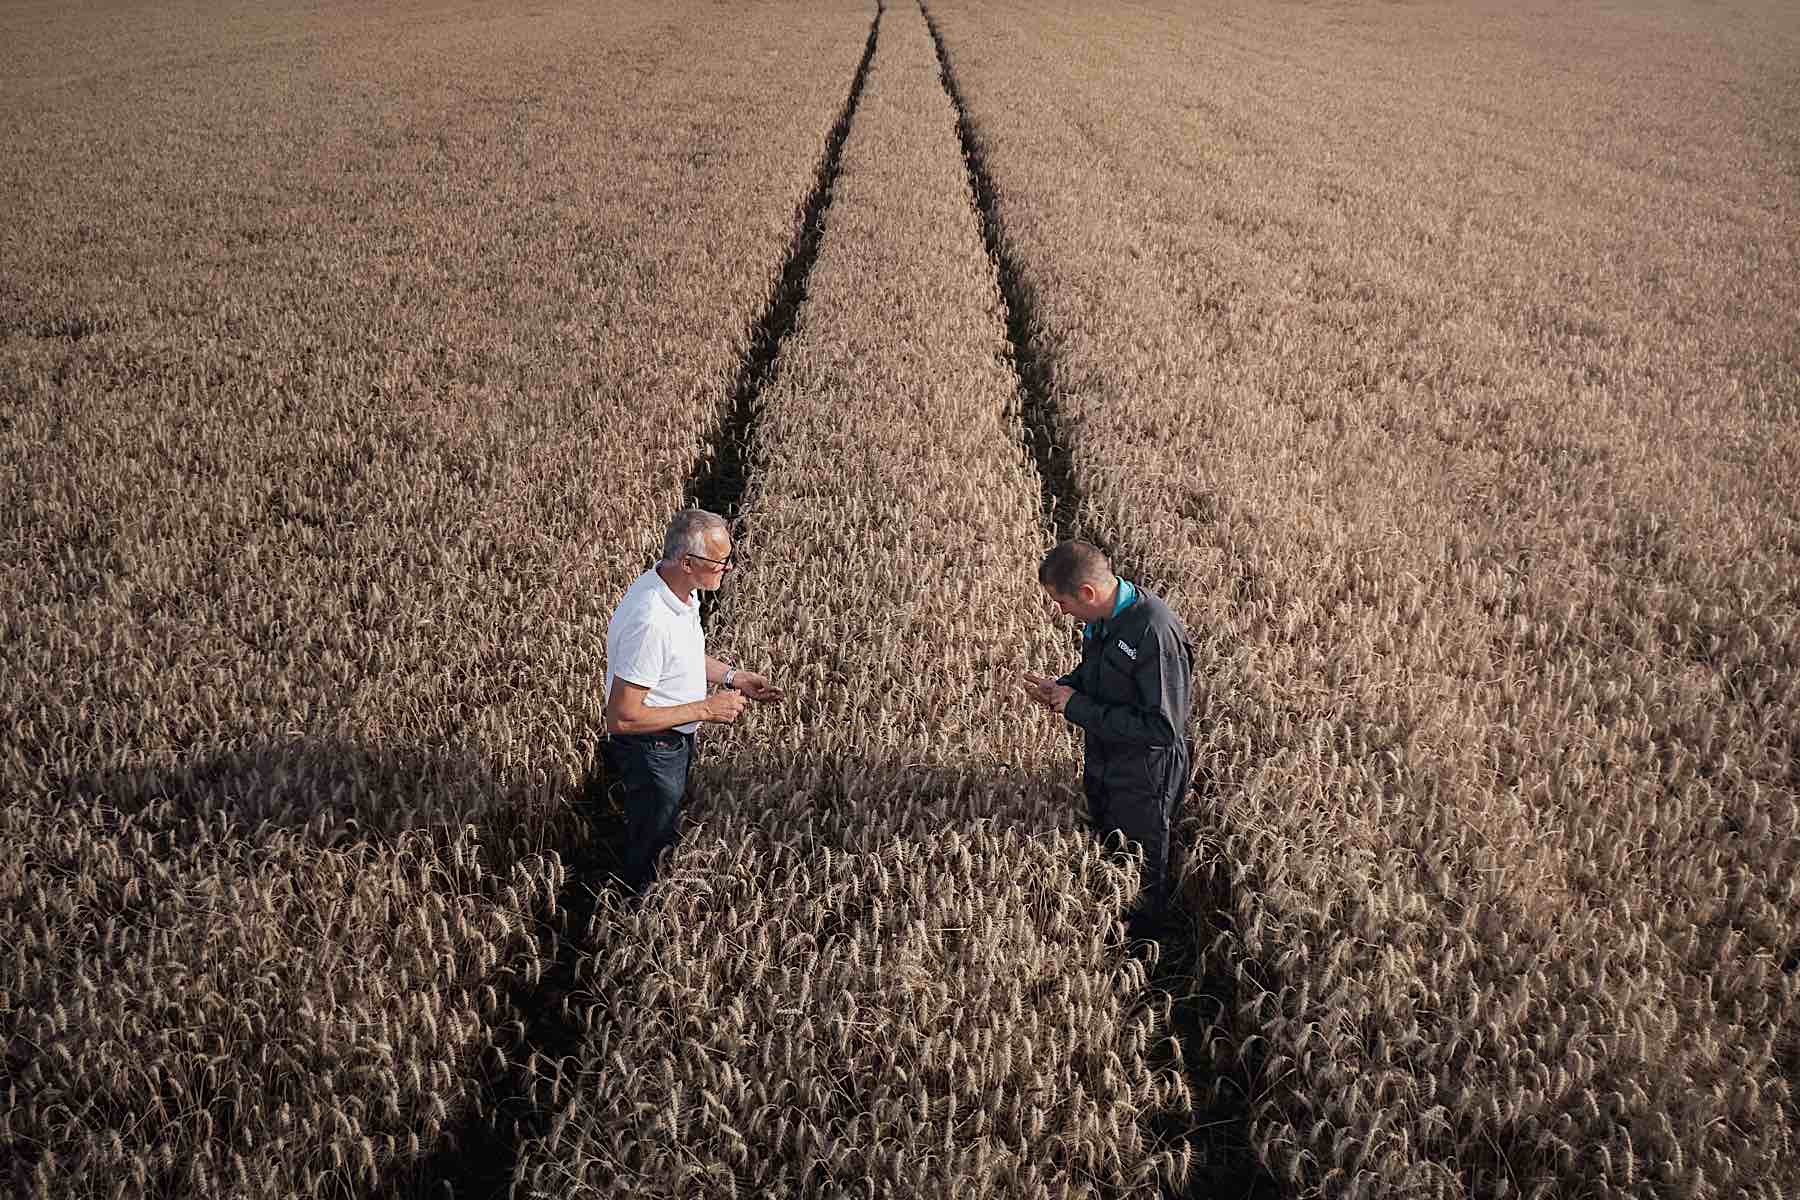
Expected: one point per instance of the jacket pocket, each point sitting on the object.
(1141, 770)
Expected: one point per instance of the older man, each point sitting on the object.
(1130, 696)
(657, 672)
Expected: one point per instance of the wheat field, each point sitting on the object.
(1437, 361)
(1468, 433)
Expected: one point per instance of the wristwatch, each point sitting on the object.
(729, 672)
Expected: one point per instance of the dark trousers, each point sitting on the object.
(1142, 814)
(647, 774)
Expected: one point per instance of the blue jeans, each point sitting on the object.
(648, 773)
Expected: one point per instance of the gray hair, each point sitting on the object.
(687, 532)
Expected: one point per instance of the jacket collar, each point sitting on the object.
(1128, 596)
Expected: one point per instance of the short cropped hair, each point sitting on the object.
(687, 532)
(1071, 564)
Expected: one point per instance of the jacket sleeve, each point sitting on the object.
(1156, 718)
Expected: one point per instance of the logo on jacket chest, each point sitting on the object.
(1130, 652)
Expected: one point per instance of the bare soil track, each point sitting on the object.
(1187, 964)
(480, 1159)
(1030, 359)
(718, 484)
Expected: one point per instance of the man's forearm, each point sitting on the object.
(1119, 722)
(716, 670)
(649, 719)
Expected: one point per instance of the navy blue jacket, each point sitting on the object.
(1133, 694)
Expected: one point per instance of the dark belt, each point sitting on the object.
(666, 737)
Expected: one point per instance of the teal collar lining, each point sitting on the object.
(1128, 595)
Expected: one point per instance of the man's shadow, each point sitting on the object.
(325, 791)
(221, 810)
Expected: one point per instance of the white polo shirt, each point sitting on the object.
(655, 641)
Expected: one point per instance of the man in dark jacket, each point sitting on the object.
(1131, 697)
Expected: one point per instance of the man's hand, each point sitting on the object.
(756, 687)
(1045, 692)
(722, 707)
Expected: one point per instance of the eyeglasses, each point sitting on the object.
(724, 564)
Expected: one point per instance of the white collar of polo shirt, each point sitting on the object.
(669, 597)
